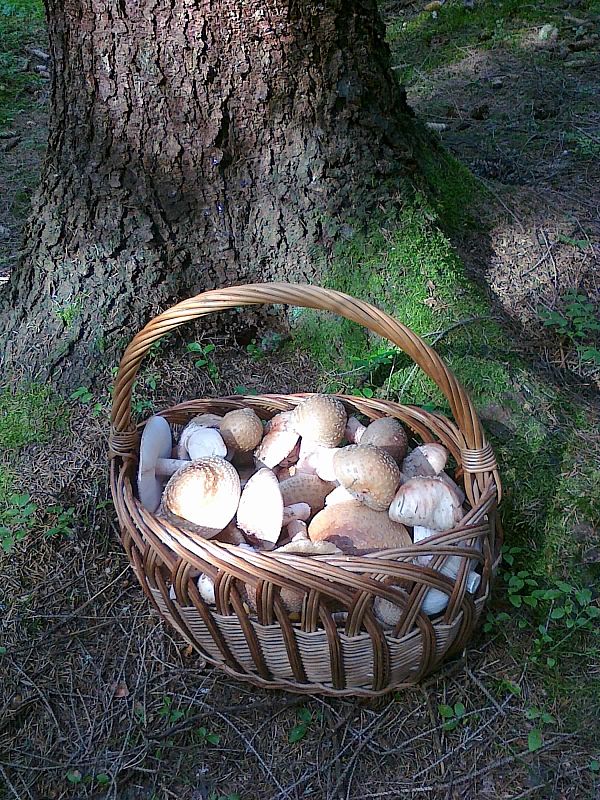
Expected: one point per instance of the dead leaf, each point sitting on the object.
(119, 690)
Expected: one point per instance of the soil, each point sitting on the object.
(526, 119)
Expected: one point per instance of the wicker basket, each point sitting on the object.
(327, 651)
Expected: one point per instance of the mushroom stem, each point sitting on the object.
(354, 430)
(169, 466)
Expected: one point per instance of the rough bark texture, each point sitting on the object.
(195, 143)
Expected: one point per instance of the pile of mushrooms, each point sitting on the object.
(311, 482)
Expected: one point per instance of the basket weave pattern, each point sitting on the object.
(338, 646)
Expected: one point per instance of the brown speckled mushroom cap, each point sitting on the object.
(357, 530)
(322, 419)
(241, 430)
(370, 474)
(387, 434)
(206, 493)
(304, 488)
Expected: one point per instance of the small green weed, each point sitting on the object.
(535, 739)
(204, 357)
(61, 522)
(16, 520)
(578, 325)
(299, 731)
(170, 714)
(204, 736)
(82, 395)
(452, 715)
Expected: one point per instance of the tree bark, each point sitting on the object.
(194, 144)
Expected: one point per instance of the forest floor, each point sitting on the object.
(99, 699)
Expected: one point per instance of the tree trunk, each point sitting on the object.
(194, 144)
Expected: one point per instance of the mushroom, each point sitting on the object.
(155, 462)
(206, 587)
(339, 495)
(274, 448)
(425, 460)
(260, 513)
(389, 435)
(306, 547)
(317, 461)
(230, 535)
(354, 430)
(433, 602)
(370, 475)
(297, 511)
(297, 530)
(292, 598)
(205, 442)
(302, 488)
(321, 419)
(284, 421)
(197, 423)
(427, 503)
(357, 530)
(241, 430)
(204, 493)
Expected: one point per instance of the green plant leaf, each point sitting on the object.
(74, 776)
(447, 712)
(213, 738)
(594, 765)
(304, 715)
(103, 779)
(534, 740)
(459, 710)
(450, 724)
(557, 613)
(297, 733)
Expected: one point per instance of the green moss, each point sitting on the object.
(426, 42)
(29, 414)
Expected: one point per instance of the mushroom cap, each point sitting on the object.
(389, 435)
(322, 419)
(260, 512)
(425, 460)
(357, 530)
(387, 612)
(206, 493)
(203, 442)
(304, 488)
(292, 598)
(241, 430)
(156, 443)
(195, 424)
(370, 474)
(275, 447)
(427, 503)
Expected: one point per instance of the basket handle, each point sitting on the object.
(478, 456)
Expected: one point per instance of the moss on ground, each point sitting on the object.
(426, 42)
(21, 22)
